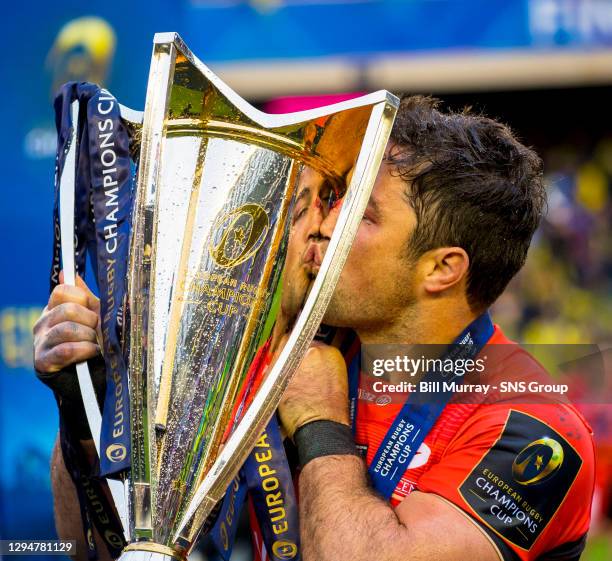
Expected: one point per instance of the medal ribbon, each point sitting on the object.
(267, 478)
(223, 533)
(111, 188)
(270, 485)
(83, 228)
(87, 486)
(419, 413)
(104, 180)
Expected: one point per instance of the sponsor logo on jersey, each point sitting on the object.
(539, 460)
(521, 481)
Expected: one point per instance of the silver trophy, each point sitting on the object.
(217, 271)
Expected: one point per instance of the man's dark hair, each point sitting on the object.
(473, 185)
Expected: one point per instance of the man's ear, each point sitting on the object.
(445, 267)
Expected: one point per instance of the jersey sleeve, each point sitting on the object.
(525, 474)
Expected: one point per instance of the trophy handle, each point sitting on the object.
(117, 488)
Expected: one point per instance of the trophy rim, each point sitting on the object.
(270, 120)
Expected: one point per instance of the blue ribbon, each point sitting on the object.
(85, 243)
(223, 533)
(111, 187)
(270, 486)
(267, 479)
(419, 413)
(63, 122)
(103, 190)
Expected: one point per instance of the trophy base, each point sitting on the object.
(150, 551)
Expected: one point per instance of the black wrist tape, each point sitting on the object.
(324, 438)
(65, 386)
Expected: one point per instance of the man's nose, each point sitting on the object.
(316, 217)
(328, 223)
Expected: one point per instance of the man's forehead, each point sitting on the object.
(309, 179)
(389, 189)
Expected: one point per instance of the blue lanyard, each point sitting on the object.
(90, 185)
(419, 413)
(103, 182)
(267, 478)
(111, 189)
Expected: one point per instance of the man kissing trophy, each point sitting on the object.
(190, 216)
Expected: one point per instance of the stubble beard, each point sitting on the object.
(356, 309)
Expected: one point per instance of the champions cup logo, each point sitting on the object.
(114, 539)
(284, 549)
(82, 51)
(238, 235)
(116, 452)
(537, 461)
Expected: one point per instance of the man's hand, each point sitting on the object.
(318, 390)
(68, 331)
(341, 517)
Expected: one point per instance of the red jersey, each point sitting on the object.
(524, 473)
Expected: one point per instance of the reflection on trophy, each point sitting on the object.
(221, 264)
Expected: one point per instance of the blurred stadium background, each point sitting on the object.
(542, 66)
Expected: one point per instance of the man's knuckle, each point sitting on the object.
(56, 334)
(39, 362)
(46, 365)
(70, 311)
(313, 355)
(60, 333)
(38, 343)
(43, 366)
(40, 322)
(59, 292)
(66, 329)
(64, 352)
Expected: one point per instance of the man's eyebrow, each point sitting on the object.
(374, 205)
(305, 192)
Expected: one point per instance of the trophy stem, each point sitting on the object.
(151, 551)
